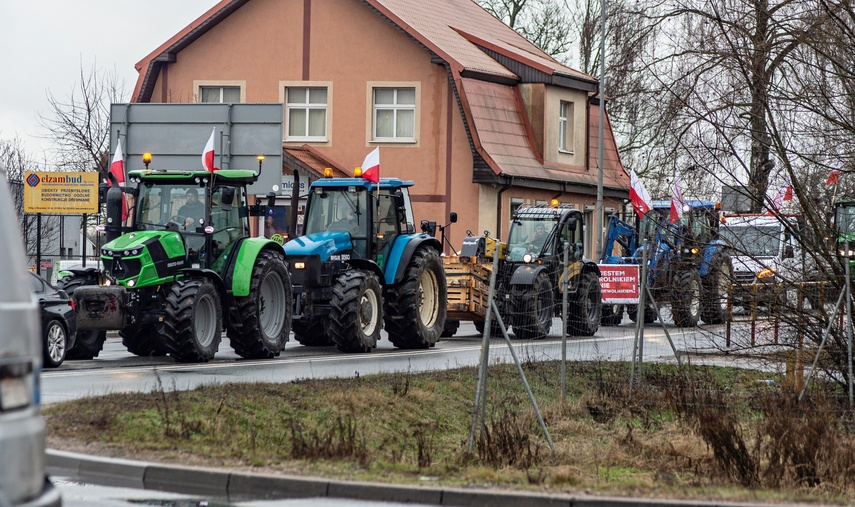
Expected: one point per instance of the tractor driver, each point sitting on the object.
(535, 243)
(193, 210)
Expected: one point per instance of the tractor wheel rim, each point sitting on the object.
(428, 298)
(591, 306)
(206, 320)
(56, 342)
(723, 286)
(369, 314)
(271, 306)
(694, 298)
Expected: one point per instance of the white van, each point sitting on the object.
(23, 482)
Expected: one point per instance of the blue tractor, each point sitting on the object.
(361, 264)
(688, 264)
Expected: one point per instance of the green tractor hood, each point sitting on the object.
(143, 258)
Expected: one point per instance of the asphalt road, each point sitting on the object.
(116, 370)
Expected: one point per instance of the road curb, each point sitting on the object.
(241, 486)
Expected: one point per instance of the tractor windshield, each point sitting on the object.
(165, 206)
(844, 217)
(529, 235)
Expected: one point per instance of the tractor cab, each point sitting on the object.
(540, 232)
(356, 218)
(844, 222)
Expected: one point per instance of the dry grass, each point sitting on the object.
(725, 436)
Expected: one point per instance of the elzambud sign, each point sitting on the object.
(619, 283)
(62, 193)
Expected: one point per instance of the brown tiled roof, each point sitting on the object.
(312, 161)
(502, 138)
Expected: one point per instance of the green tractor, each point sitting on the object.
(360, 264)
(184, 270)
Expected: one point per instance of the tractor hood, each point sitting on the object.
(169, 240)
(322, 244)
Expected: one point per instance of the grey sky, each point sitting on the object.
(44, 44)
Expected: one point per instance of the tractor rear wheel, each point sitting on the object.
(533, 309)
(313, 333)
(649, 314)
(686, 306)
(586, 306)
(415, 308)
(193, 322)
(89, 343)
(495, 329)
(716, 286)
(612, 315)
(143, 341)
(356, 312)
(265, 314)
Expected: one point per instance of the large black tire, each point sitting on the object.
(265, 314)
(312, 334)
(586, 306)
(688, 293)
(192, 325)
(356, 311)
(716, 289)
(533, 308)
(89, 343)
(612, 315)
(143, 341)
(415, 307)
(54, 344)
(650, 315)
(495, 329)
(450, 328)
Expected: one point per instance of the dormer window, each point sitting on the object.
(565, 127)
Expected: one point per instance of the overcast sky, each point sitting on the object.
(44, 44)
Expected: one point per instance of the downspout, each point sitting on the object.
(499, 208)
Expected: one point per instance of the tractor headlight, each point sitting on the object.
(299, 265)
(527, 258)
(135, 251)
(131, 283)
(842, 252)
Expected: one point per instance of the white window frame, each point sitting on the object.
(565, 127)
(198, 85)
(372, 113)
(307, 106)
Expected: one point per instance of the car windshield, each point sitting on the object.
(158, 205)
(752, 240)
(529, 235)
(845, 218)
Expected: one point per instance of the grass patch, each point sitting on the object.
(722, 436)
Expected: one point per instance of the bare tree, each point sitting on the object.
(79, 124)
(545, 23)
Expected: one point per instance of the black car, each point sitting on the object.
(59, 320)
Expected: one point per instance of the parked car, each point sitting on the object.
(59, 320)
(23, 481)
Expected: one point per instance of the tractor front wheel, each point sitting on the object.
(716, 286)
(142, 341)
(266, 312)
(586, 306)
(450, 328)
(686, 307)
(533, 307)
(356, 312)
(612, 315)
(415, 308)
(313, 333)
(193, 322)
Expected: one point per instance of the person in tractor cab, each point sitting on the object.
(535, 243)
(193, 210)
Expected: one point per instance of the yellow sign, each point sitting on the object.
(56, 192)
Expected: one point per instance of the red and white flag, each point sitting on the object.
(676, 199)
(833, 177)
(371, 166)
(117, 169)
(208, 154)
(641, 201)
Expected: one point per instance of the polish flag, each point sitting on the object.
(676, 199)
(641, 201)
(833, 177)
(117, 169)
(371, 166)
(788, 192)
(208, 154)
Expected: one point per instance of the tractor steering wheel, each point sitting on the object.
(178, 220)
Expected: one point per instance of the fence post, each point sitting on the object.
(564, 321)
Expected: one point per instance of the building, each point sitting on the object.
(480, 118)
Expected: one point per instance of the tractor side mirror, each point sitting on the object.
(788, 252)
(571, 224)
(428, 227)
(102, 194)
(227, 198)
(398, 196)
(453, 217)
(271, 200)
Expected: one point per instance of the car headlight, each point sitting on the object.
(527, 258)
(766, 273)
